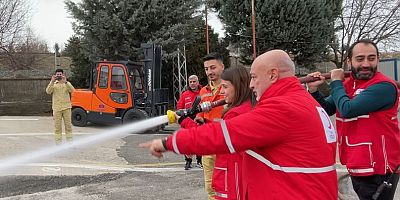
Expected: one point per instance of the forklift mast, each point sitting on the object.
(156, 96)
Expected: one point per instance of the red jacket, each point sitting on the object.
(227, 173)
(289, 143)
(186, 99)
(369, 144)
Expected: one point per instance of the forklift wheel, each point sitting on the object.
(79, 117)
(134, 115)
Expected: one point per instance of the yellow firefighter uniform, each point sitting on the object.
(61, 104)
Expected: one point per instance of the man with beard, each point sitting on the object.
(366, 120)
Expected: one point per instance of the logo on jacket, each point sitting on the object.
(330, 132)
(358, 91)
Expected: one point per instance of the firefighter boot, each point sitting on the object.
(188, 164)
(199, 165)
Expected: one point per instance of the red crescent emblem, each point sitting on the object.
(329, 120)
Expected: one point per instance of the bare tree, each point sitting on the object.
(378, 20)
(19, 46)
(25, 51)
(13, 14)
(12, 21)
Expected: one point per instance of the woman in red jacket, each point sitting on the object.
(226, 180)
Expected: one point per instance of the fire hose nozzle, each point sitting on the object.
(205, 106)
(171, 116)
(197, 107)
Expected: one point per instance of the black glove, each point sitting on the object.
(190, 113)
(200, 122)
(181, 119)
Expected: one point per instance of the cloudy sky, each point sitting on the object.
(51, 22)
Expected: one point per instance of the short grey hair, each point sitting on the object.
(193, 77)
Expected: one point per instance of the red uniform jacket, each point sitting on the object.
(369, 144)
(227, 174)
(290, 145)
(187, 97)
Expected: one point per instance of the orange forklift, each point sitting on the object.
(122, 91)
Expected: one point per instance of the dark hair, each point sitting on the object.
(364, 41)
(213, 56)
(240, 79)
(59, 70)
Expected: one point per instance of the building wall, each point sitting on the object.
(24, 97)
(390, 67)
(42, 66)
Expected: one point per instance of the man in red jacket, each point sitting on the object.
(187, 97)
(185, 101)
(288, 140)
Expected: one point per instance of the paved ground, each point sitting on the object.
(112, 169)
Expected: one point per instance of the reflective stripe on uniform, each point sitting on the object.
(308, 170)
(227, 137)
(360, 171)
(216, 119)
(352, 119)
(358, 144)
(207, 95)
(174, 143)
(237, 181)
(221, 195)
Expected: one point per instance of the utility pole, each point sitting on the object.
(56, 50)
(207, 39)
(253, 25)
(55, 60)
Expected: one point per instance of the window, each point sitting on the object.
(118, 81)
(138, 80)
(103, 80)
(121, 98)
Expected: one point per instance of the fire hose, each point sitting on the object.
(385, 184)
(198, 107)
(308, 79)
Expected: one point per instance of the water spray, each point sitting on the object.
(134, 127)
